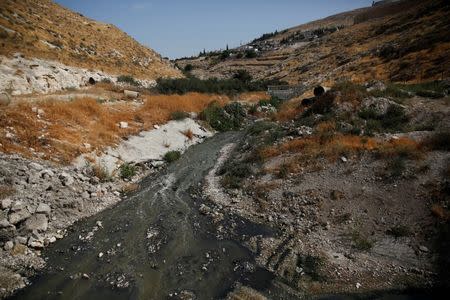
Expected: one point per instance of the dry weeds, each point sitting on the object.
(61, 132)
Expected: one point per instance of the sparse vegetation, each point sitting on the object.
(179, 115)
(232, 86)
(6, 191)
(172, 156)
(229, 117)
(128, 80)
(188, 133)
(127, 171)
(101, 173)
(360, 242)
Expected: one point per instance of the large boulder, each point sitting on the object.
(19, 216)
(5, 99)
(379, 105)
(38, 222)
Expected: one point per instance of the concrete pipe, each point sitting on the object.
(131, 94)
(320, 90)
(5, 99)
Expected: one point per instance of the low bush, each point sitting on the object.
(229, 117)
(127, 79)
(101, 173)
(394, 119)
(273, 101)
(172, 156)
(229, 87)
(438, 141)
(127, 171)
(234, 174)
(179, 115)
(323, 104)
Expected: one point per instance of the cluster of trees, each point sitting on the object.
(240, 82)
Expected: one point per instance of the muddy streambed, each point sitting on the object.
(151, 246)
(156, 245)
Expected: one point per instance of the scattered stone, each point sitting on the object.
(21, 240)
(358, 285)
(423, 248)
(4, 223)
(344, 159)
(123, 125)
(85, 276)
(66, 179)
(19, 216)
(156, 126)
(8, 245)
(100, 255)
(35, 243)
(37, 222)
(6, 203)
(43, 208)
(17, 206)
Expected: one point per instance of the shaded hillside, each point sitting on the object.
(43, 29)
(401, 41)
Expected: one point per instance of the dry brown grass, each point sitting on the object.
(60, 133)
(6, 191)
(289, 111)
(188, 133)
(338, 145)
(129, 188)
(253, 97)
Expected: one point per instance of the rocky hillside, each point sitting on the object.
(399, 41)
(47, 31)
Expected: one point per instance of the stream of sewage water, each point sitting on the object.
(153, 244)
(156, 245)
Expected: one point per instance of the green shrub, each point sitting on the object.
(227, 118)
(127, 171)
(250, 54)
(127, 79)
(394, 118)
(234, 174)
(188, 68)
(399, 231)
(243, 75)
(179, 115)
(172, 156)
(273, 101)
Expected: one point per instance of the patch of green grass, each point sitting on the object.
(172, 156)
(273, 101)
(127, 79)
(179, 115)
(127, 171)
(229, 117)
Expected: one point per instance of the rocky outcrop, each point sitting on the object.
(19, 76)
